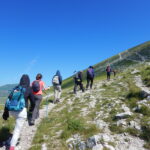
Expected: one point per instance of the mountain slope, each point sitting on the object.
(135, 55)
(102, 118)
(114, 115)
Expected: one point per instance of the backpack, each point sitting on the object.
(90, 73)
(108, 69)
(16, 100)
(76, 77)
(36, 86)
(55, 80)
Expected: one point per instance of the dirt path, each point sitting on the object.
(139, 83)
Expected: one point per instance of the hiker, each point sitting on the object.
(108, 70)
(37, 86)
(90, 77)
(57, 81)
(114, 71)
(78, 82)
(19, 112)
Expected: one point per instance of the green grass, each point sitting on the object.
(116, 129)
(145, 73)
(144, 110)
(6, 128)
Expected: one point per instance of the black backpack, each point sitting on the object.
(36, 86)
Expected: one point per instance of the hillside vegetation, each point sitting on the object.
(114, 115)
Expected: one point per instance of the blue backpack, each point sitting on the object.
(16, 100)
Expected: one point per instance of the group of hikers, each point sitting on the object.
(25, 93)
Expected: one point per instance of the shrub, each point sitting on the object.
(144, 110)
(146, 76)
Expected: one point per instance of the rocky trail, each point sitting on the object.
(101, 104)
(105, 139)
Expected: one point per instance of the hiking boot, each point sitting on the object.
(32, 123)
(57, 101)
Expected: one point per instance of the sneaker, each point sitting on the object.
(12, 148)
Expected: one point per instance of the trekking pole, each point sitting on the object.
(46, 105)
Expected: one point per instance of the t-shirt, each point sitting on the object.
(42, 84)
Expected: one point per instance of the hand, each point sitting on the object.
(5, 115)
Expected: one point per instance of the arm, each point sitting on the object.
(5, 114)
(93, 73)
(80, 76)
(60, 80)
(44, 87)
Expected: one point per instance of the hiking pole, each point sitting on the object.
(46, 105)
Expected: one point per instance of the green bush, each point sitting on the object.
(75, 125)
(132, 131)
(144, 110)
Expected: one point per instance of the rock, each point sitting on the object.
(70, 140)
(70, 146)
(125, 108)
(135, 125)
(144, 94)
(142, 102)
(137, 108)
(101, 124)
(105, 138)
(93, 141)
(121, 123)
(123, 115)
(44, 147)
(98, 147)
(148, 98)
(92, 104)
(135, 71)
(109, 147)
(82, 145)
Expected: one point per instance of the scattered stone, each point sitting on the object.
(135, 125)
(125, 108)
(98, 147)
(105, 138)
(135, 71)
(82, 145)
(109, 147)
(101, 124)
(44, 147)
(121, 123)
(70, 140)
(92, 141)
(123, 115)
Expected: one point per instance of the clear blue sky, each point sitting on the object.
(46, 35)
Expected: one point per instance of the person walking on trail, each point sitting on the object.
(19, 96)
(37, 86)
(115, 72)
(57, 81)
(78, 82)
(90, 77)
(108, 70)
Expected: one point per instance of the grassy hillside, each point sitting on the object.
(80, 115)
(133, 56)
